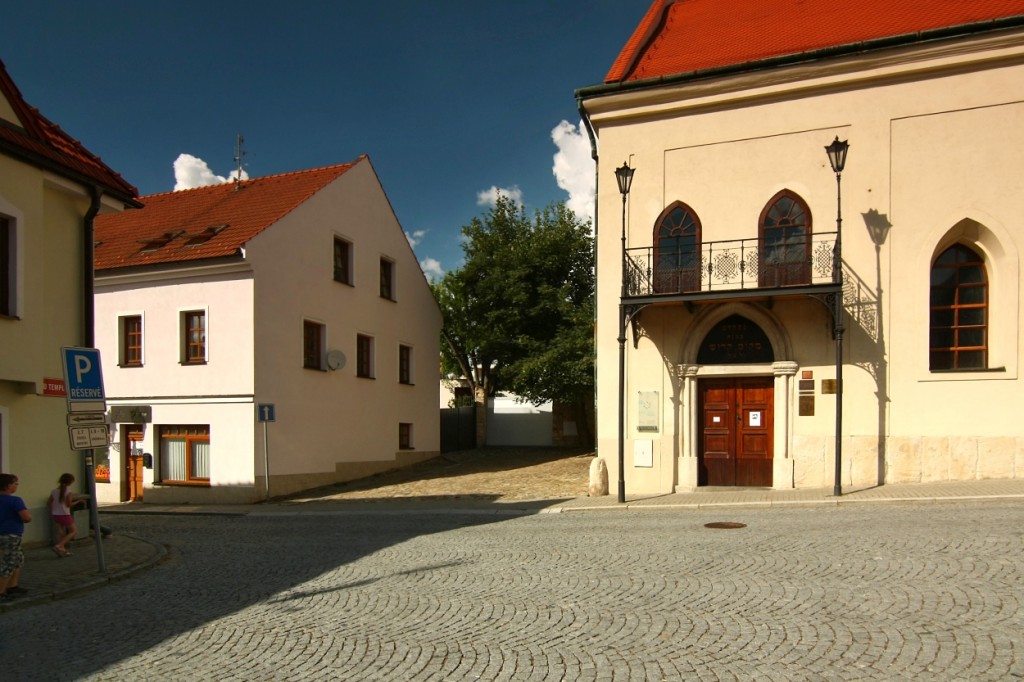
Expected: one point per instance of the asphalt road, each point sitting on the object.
(894, 592)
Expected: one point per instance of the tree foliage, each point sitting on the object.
(519, 313)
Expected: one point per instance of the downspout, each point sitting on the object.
(89, 340)
(585, 118)
(88, 267)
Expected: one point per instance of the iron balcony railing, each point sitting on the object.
(731, 265)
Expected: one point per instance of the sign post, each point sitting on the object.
(87, 422)
(265, 413)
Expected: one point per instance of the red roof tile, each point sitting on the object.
(683, 36)
(41, 142)
(206, 222)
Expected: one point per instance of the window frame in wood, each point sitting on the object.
(959, 311)
(131, 340)
(676, 261)
(193, 350)
(795, 265)
(192, 435)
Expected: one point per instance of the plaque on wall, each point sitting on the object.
(647, 411)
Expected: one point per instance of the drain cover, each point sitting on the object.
(725, 524)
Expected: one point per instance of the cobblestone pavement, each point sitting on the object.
(852, 593)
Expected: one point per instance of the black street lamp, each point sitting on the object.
(837, 159)
(624, 176)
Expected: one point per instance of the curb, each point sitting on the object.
(159, 555)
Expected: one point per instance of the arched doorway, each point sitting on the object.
(735, 414)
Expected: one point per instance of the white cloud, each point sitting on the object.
(416, 237)
(191, 171)
(431, 267)
(489, 197)
(574, 168)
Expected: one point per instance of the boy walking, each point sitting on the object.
(13, 517)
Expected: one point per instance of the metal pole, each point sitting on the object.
(266, 460)
(837, 313)
(622, 364)
(94, 514)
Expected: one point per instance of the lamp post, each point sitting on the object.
(624, 176)
(837, 159)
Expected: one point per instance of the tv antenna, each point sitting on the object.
(239, 155)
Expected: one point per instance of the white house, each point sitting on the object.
(276, 324)
(783, 321)
(51, 187)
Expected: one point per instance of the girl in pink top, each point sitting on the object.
(61, 504)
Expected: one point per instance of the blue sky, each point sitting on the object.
(451, 98)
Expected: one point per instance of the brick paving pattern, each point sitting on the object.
(869, 592)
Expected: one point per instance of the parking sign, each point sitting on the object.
(83, 379)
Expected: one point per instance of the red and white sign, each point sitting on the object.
(53, 386)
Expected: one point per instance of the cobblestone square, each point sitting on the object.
(887, 592)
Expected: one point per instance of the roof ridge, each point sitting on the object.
(230, 183)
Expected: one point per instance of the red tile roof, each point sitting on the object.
(684, 36)
(41, 142)
(206, 222)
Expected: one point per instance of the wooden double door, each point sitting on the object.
(736, 431)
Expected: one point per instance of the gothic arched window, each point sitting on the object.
(677, 252)
(784, 235)
(958, 336)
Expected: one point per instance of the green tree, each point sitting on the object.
(519, 313)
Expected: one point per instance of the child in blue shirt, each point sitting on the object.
(13, 517)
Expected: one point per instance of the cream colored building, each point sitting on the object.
(281, 323)
(732, 349)
(50, 187)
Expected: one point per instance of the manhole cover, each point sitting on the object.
(725, 524)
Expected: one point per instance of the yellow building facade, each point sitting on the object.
(50, 186)
(723, 267)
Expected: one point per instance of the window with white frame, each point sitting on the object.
(342, 261)
(364, 356)
(404, 364)
(314, 337)
(387, 279)
(405, 436)
(8, 267)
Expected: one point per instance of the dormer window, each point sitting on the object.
(157, 243)
(206, 235)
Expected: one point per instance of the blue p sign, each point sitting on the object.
(83, 377)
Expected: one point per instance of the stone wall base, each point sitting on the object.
(906, 459)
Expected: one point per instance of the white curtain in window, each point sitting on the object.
(200, 460)
(173, 456)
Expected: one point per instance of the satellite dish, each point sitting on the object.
(335, 359)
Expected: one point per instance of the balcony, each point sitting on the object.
(731, 269)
